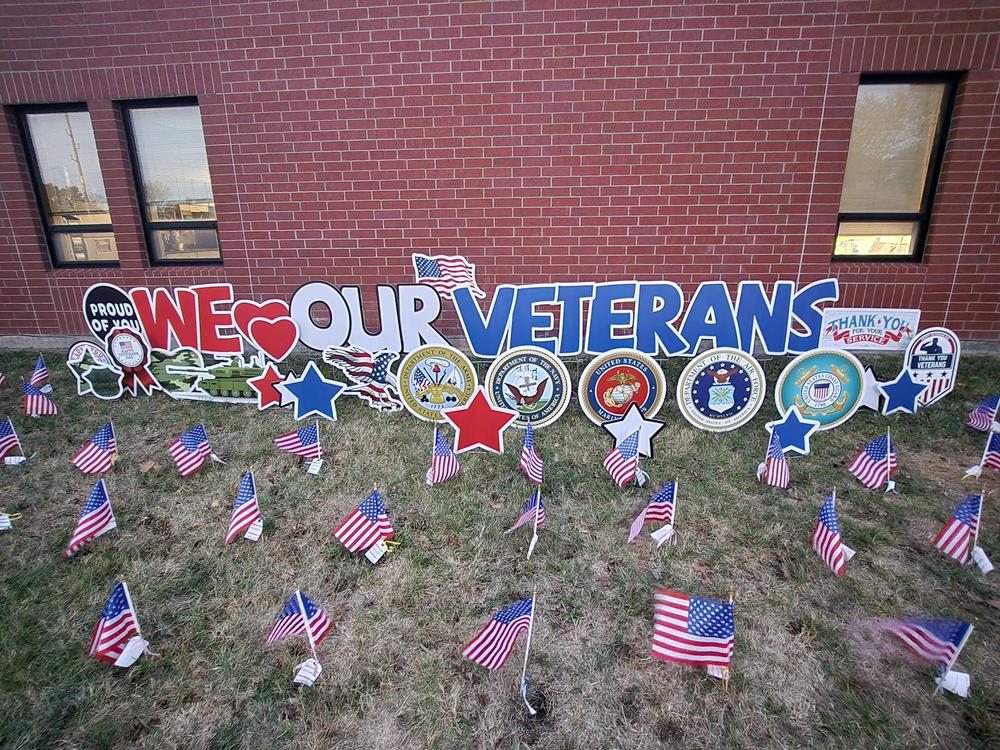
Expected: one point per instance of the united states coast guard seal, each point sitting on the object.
(532, 382)
(721, 390)
(826, 385)
(617, 379)
(433, 378)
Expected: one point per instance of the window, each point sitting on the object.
(167, 148)
(897, 142)
(66, 173)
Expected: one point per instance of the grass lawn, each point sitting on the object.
(808, 669)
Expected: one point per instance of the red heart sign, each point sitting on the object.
(266, 325)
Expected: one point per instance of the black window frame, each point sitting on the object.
(148, 227)
(21, 113)
(921, 218)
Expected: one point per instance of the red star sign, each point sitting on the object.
(478, 424)
(267, 394)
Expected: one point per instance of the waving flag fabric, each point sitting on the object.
(302, 442)
(531, 462)
(245, 508)
(300, 615)
(875, 463)
(117, 626)
(191, 450)
(532, 506)
(493, 644)
(692, 630)
(36, 403)
(937, 640)
(97, 518)
(985, 414)
(40, 375)
(659, 509)
(826, 537)
(622, 462)
(98, 454)
(955, 539)
(444, 465)
(8, 438)
(446, 273)
(368, 524)
(774, 470)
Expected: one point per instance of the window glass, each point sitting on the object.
(875, 238)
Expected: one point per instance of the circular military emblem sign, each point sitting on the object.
(721, 390)
(433, 378)
(825, 384)
(616, 379)
(932, 359)
(532, 382)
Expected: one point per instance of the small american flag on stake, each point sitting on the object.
(534, 510)
(446, 273)
(659, 509)
(622, 462)
(99, 453)
(301, 442)
(937, 640)
(191, 450)
(956, 539)
(493, 645)
(8, 439)
(874, 464)
(36, 403)
(990, 459)
(827, 540)
(693, 630)
(300, 615)
(96, 519)
(367, 525)
(444, 465)
(40, 375)
(774, 470)
(117, 626)
(531, 462)
(246, 512)
(984, 416)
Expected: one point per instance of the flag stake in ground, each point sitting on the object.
(527, 648)
(938, 690)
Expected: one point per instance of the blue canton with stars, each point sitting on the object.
(247, 491)
(629, 446)
(711, 392)
(372, 507)
(945, 629)
(828, 515)
(710, 619)
(968, 510)
(98, 497)
(102, 438)
(520, 609)
(428, 268)
(312, 394)
(117, 603)
(193, 438)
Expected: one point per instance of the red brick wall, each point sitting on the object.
(561, 140)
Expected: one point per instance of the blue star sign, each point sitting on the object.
(901, 393)
(793, 431)
(311, 393)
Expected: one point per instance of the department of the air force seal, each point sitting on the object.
(532, 382)
(433, 378)
(616, 379)
(721, 390)
(826, 385)
(932, 359)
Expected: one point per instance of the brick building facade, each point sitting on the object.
(563, 140)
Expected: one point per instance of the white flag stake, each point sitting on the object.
(527, 648)
(319, 445)
(976, 471)
(305, 619)
(890, 486)
(946, 670)
(114, 436)
(979, 522)
(673, 521)
(534, 532)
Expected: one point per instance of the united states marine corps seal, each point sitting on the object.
(721, 390)
(826, 385)
(433, 378)
(616, 379)
(532, 382)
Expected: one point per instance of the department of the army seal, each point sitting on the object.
(532, 382)
(616, 379)
(721, 390)
(433, 378)
(826, 385)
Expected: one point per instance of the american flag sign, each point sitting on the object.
(985, 414)
(8, 438)
(622, 462)
(444, 465)
(692, 630)
(493, 644)
(659, 509)
(775, 466)
(40, 374)
(875, 463)
(372, 381)
(531, 462)
(245, 508)
(36, 403)
(117, 626)
(96, 519)
(826, 538)
(956, 538)
(191, 450)
(301, 442)
(367, 525)
(446, 273)
(300, 615)
(937, 640)
(98, 454)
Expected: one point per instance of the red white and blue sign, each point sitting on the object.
(932, 360)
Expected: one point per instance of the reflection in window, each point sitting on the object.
(175, 188)
(69, 184)
(893, 160)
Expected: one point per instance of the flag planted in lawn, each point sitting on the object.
(302, 442)
(98, 454)
(8, 438)
(446, 273)
(246, 512)
(875, 463)
(659, 509)
(444, 465)
(827, 540)
(937, 640)
(40, 375)
(622, 461)
(956, 538)
(533, 506)
(493, 644)
(36, 403)
(96, 519)
(985, 414)
(774, 470)
(300, 615)
(531, 462)
(692, 630)
(117, 626)
(367, 525)
(191, 450)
